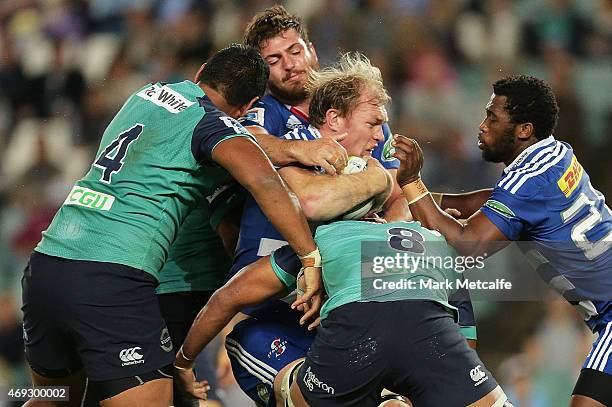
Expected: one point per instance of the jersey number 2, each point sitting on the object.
(590, 249)
(111, 159)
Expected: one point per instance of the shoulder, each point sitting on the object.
(538, 170)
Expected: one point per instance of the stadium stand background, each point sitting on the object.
(66, 66)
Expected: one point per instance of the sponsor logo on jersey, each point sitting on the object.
(257, 115)
(500, 208)
(218, 191)
(165, 341)
(263, 393)
(278, 348)
(571, 177)
(165, 97)
(131, 356)
(478, 376)
(311, 381)
(388, 151)
(294, 123)
(89, 198)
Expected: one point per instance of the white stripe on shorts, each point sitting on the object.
(601, 349)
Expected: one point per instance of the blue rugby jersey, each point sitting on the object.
(545, 200)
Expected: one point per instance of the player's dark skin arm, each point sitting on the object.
(478, 235)
(466, 203)
(248, 164)
(229, 230)
(250, 286)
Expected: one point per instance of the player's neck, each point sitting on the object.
(218, 100)
(519, 149)
(327, 132)
(303, 107)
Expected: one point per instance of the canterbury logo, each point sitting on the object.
(478, 375)
(130, 356)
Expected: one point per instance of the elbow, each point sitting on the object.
(225, 302)
(313, 208)
(259, 181)
(469, 248)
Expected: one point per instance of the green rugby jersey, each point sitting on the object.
(349, 247)
(197, 260)
(153, 164)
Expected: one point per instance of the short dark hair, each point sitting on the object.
(529, 99)
(271, 22)
(238, 72)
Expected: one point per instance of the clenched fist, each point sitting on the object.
(409, 153)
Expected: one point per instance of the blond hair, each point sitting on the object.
(340, 86)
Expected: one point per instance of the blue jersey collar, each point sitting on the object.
(525, 153)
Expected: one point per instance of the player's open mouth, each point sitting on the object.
(480, 144)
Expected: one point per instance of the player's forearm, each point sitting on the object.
(250, 167)
(278, 150)
(325, 197)
(431, 216)
(396, 208)
(228, 230)
(466, 239)
(466, 203)
(285, 214)
(215, 315)
(251, 286)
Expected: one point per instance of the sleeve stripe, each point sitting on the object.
(498, 220)
(229, 137)
(469, 332)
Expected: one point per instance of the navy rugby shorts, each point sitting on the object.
(411, 347)
(104, 317)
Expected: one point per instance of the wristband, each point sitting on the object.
(414, 191)
(182, 355)
(312, 259)
(184, 369)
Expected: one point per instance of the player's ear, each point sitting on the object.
(246, 107)
(198, 74)
(313, 51)
(524, 131)
(333, 119)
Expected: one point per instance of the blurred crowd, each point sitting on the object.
(66, 66)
